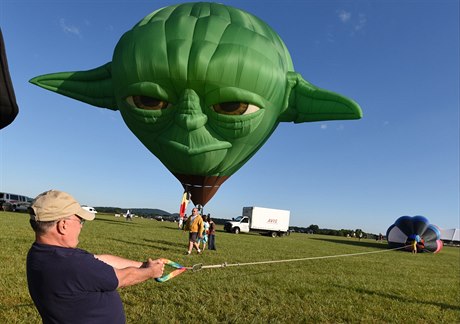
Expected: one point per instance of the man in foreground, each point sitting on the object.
(70, 285)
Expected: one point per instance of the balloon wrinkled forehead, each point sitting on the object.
(209, 27)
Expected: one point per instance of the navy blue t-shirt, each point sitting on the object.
(72, 286)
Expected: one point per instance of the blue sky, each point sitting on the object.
(398, 59)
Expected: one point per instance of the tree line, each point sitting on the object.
(314, 229)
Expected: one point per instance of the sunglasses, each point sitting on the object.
(81, 220)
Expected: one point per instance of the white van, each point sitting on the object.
(14, 202)
(90, 209)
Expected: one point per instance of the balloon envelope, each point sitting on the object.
(203, 86)
(417, 228)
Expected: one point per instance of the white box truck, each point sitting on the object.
(269, 221)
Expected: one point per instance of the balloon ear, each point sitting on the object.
(307, 103)
(93, 86)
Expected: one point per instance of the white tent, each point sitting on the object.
(450, 234)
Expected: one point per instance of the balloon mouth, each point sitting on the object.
(189, 150)
(202, 188)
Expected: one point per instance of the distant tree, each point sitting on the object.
(313, 228)
(346, 232)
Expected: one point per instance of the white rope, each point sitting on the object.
(197, 267)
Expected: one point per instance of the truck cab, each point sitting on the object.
(238, 225)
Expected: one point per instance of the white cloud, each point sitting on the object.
(323, 126)
(362, 19)
(356, 22)
(344, 16)
(69, 29)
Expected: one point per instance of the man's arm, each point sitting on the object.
(200, 227)
(133, 275)
(187, 225)
(118, 262)
(131, 272)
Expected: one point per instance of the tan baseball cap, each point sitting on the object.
(53, 205)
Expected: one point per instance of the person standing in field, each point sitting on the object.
(194, 225)
(212, 233)
(71, 285)
(184, 221)
(129, 217)
(414, 247)
(180, 222)
(204, 238)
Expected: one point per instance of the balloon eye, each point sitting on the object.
(234, 108)
(147, 103)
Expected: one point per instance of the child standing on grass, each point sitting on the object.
(204, 238)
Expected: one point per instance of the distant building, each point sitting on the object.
(450, 235)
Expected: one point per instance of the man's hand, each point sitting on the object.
(149, 269)
(155, 266)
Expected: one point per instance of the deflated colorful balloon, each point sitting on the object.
(202, 86)
(408, 229)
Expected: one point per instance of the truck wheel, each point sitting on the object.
(236, 230)
(274, 234)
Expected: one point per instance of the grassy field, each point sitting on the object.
(390, 287)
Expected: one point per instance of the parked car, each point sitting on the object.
(90, 209)
(171, 218)
(14, 202)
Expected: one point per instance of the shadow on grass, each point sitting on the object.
(235, 275)
(17, 306)
(157, 244)
(171, 228)
(166, 243)
(354, 242)
(116, 222)
(399, 298)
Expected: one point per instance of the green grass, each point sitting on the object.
(391, 286)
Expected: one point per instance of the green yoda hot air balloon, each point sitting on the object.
(202, 86)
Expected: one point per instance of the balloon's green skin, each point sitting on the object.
(195, 56)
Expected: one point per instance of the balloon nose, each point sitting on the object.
(190, 115)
